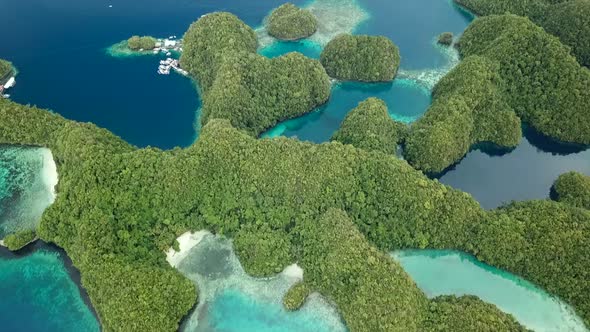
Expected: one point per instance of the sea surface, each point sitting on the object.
(37, 294)
(60, 50)
(443, 272)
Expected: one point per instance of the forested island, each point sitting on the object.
(289, 22)
(361, 58)
(5, 69)
(336, 209)
(503, 78)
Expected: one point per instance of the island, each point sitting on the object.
(445, 38)
(250, 90)
(567, 19)
(137, 43)
(361, 58)
(334, 209)
(573, 188)
(289, 22)
(504, 78)
(370, 127)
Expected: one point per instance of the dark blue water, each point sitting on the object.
(59, 49)
(525, 173)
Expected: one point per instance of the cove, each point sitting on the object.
(59, 48)
(405, 99)
(232, 301)
(410, 27)
(27, 179)
(525, 173)
(444, 272)
(38, 295)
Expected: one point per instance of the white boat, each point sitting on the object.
(10, 83)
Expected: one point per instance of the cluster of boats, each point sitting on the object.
(168, 64)
(9, 84)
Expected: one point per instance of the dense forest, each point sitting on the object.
(573, 188)
(288, 22)
(567, 19)
(116, 212)
(335, 208)
(137, 43)
(511, 70)
(361, 58)
(370, 127)
(237, 84)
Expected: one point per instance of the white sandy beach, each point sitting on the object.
(186, 242)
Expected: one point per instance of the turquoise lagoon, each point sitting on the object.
(27, 179)
(37, 294)
(232, 301)
(441, 272)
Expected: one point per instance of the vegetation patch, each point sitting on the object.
(361, 58)
(370, 127)
(19, 239)
(505, 75)
(116, 212)
(289, 22)
(296, 296)
(253, 92)
(468, 108)
(445, 38)
(573, 188)
(137, 43)
(567, 19)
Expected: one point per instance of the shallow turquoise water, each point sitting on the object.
(441, 272)
(24, 191)
(305, 47)
(250, 314)
(405, 100)
(37, 294)
(232, 301)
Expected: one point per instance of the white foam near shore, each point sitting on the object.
(212, 265)
(49, 173)
(428, 78)
(185, 243)
(334, 17)
(293, 271)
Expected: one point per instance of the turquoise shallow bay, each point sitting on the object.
(442, 272)
(37, 294)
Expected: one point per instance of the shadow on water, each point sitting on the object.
(72, 271)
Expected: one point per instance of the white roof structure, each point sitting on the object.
(10, 83)
(169, 43)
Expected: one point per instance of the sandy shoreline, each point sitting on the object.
(186, 242)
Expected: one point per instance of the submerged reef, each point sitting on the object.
(28, 177)
(370, 127)
(567, 19)
(504, 77)
(573, 188)
(250, 90)
(361, 58)
(288, 22)
(468, 108)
